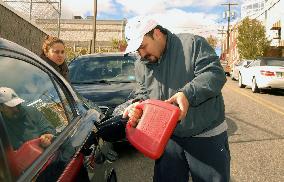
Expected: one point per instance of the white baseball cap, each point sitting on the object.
(9, 97)
(135, 30)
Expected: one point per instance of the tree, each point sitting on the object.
(119, 45)
(212, 41)
(251, 40)
(71, 54)
(51, 115)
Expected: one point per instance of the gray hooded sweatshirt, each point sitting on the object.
(189, 65)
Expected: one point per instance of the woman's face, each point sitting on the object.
(56, 53)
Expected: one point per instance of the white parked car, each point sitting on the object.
(263, 73)
(235, 68)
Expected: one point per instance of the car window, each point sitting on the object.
(244, 63)
(33, 124)
(254, 63)
(110, 68)
(272, 63)
(247, 63)
(257, 63)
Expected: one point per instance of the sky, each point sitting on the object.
(203, 17)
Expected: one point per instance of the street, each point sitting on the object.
(256, 139)
(68, 70)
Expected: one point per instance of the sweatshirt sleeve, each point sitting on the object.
(209, 76)
(141, 92)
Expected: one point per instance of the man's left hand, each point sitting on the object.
(182, 102)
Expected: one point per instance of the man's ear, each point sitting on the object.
(157, 34)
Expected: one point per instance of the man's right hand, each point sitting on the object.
(46, 139)
(133, 113)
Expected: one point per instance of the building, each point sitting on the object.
(30, 26)
(251, 7)
(272, 17)
(78, 32)
(231, 55)
(274, 21)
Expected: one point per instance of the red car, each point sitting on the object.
(55, 138)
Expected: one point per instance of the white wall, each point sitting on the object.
(251, 7)
(275, 12)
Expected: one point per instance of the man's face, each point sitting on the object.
(10, 112)
(152, 47)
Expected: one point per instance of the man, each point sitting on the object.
(23, 123)
(184, 70)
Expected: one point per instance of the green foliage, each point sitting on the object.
(51, 115)
(212, 41)
(119, 45)
(251, 40)
(71, 54)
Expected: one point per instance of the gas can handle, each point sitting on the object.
(141, 105)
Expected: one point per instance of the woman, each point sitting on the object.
(53, 52)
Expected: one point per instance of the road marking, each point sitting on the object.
(274, 107)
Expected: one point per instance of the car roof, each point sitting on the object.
(271, 58)
(98, 55)
(11, 46)
(106, 54)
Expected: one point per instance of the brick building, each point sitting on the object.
(78, 32)
(232, 55)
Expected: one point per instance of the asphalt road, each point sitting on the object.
(256, 137)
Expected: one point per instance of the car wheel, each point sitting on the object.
(232, 76)
(254, 87)
(241, 85)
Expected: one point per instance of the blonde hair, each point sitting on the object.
(48, 42)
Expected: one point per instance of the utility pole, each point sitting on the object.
(222, 32)
(228, 14)
(94, 27)
(59, 19)
(31, 9)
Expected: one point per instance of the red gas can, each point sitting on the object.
(156, 126)
(27, 154)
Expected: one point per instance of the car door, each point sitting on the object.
(57, 108)
(246, 73)
(5, 174)
(251, 71)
